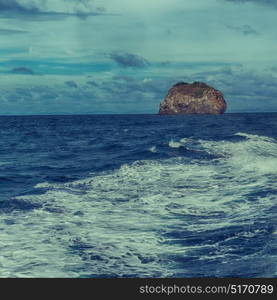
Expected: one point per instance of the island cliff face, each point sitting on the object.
(195, 98)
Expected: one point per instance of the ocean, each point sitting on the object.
(89, 196)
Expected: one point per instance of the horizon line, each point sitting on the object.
(124, 114)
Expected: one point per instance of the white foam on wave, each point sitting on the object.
(184, 140)
(117, 222)
(174, 144)
(153, 149)
(256, 137)
(257, 154)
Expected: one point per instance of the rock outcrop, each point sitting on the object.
(195, 98)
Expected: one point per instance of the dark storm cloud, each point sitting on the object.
(129, 60)
(72, 84)
(92, 83)
(15, 6)
(245, 29)
(22, 70)
(40, 8)
(272, 3)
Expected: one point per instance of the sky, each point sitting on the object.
(122, 56)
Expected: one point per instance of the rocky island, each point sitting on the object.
(196, 98)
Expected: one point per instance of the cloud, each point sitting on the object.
(272, 3)
(19, 6)
(11, 31)
(244, 90)
(71, 84)
(22, 70)
(50, 7)
(92, 83)
(128, 63)
(129, 60)
(245, 29)
(118, 94)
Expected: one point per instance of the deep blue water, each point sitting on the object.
(138, 196)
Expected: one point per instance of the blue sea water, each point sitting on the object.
(138, 196)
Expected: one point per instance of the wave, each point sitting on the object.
(256, 154)
(174, 144)
(154, 218)
(153, 149)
